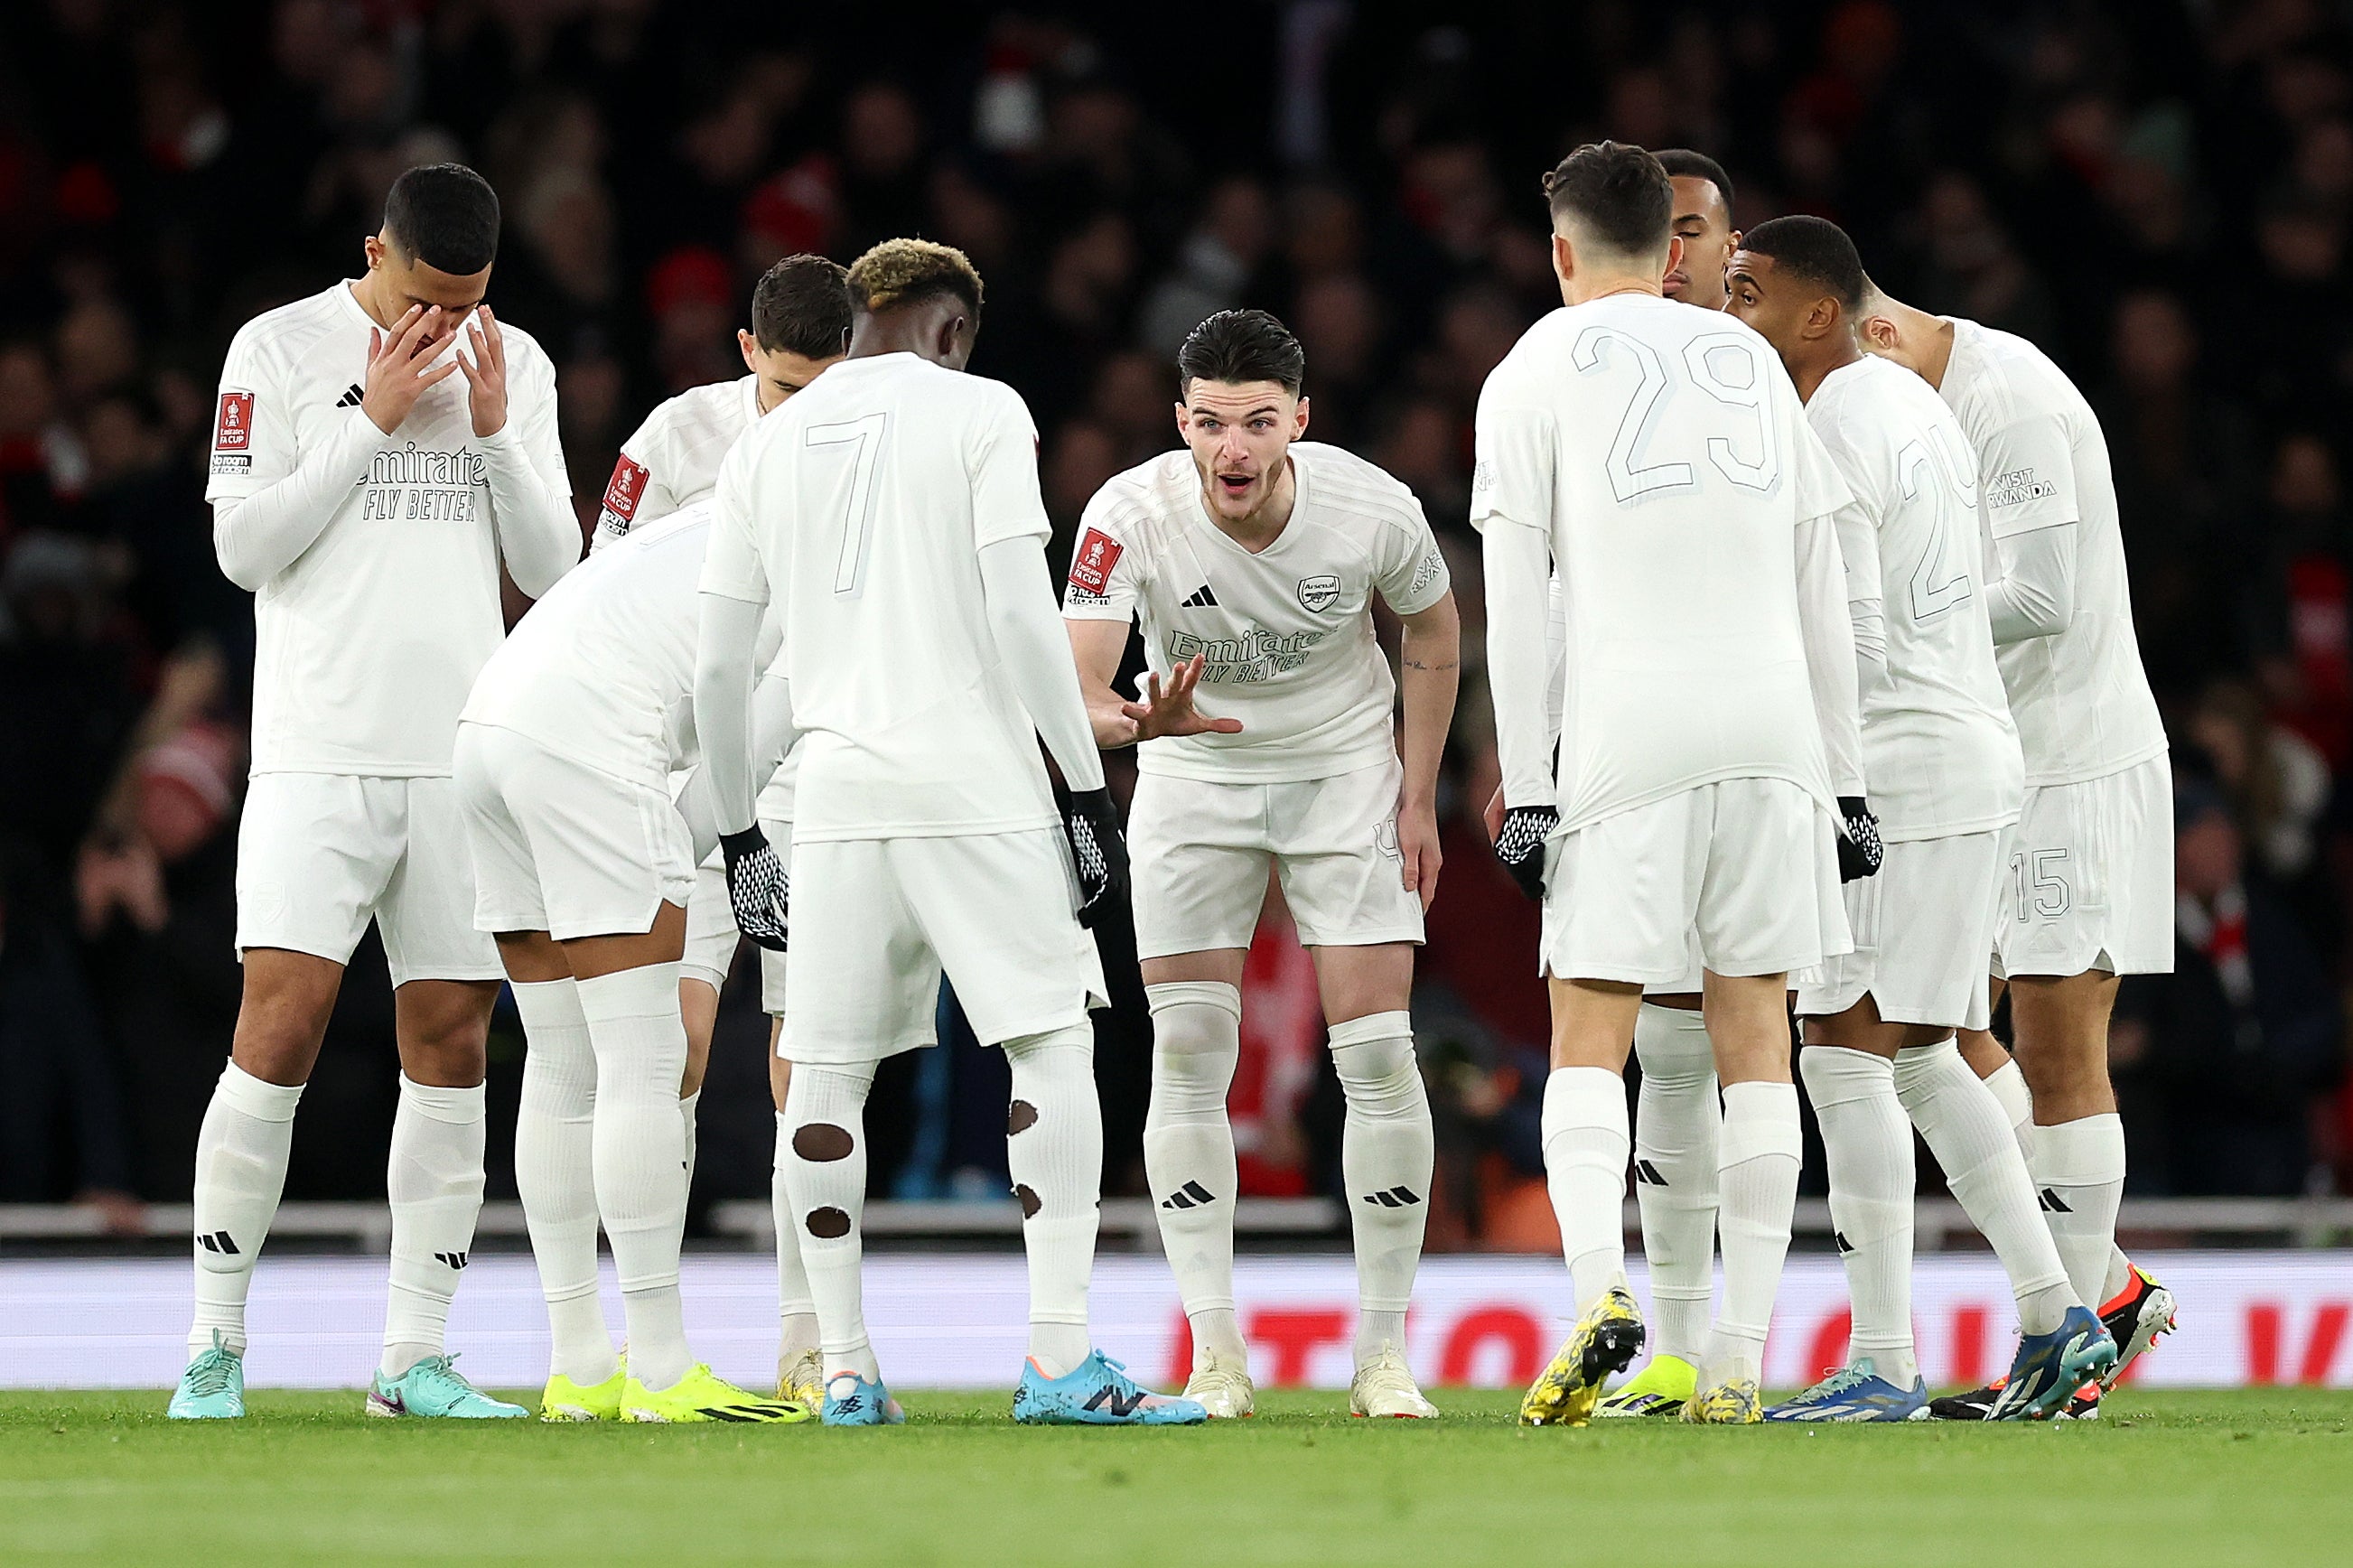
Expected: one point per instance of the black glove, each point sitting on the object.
(1858, 849)
(758, 889)
(1100, 854)
(1521, 846)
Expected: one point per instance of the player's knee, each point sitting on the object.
(1195, 1045)
(1374, 1058)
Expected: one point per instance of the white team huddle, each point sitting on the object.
(1766, 612)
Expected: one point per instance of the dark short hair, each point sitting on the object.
(444, 215)
(1683, 164)
(1813, 250)
(1617, 192)
(1241, 346)
(801, 305)
(909, 271)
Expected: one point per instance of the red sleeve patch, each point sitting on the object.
(233, 432)
(626, 488)
(1091, 563)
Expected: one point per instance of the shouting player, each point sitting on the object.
(1252, 558)
(800, 325)
(565, 756)
(1708, 755)
(382, 448)
(2091, 871)
(1942, 759)
(891, 515)
(1677, 1114)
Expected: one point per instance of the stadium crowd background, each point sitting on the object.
(2158, 193)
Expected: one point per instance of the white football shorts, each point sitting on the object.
(319, 855)
(711, 933)
(1200, 852)
(561, 847)
(2091, 878)
(1748, 868)
(1918, 927)
(875, 920)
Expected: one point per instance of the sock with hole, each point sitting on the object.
(825, 1171)
(1054, 1149)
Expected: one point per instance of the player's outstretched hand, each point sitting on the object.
(1417, 841)
(486, 373)
(1520, 845)
(758, 889)
(1093, 823)
(1168, 709)
(399, 364)
(1858, 849)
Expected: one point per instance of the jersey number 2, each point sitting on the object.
(864, 437)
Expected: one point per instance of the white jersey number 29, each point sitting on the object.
(864, 437)
(1629, 479)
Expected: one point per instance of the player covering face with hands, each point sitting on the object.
(890, 517)
(1251, 559)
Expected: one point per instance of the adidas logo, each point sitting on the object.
(1647, 1175)
(1844, 1246)
(450, 1259)
(1199, 598)
(1395, 1198)
(217, 1241)
(351, 398)
(1191, 1195)
(2051, 1203)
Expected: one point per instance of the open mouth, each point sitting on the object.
(1236, 486)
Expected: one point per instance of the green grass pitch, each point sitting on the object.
(2256, 1478)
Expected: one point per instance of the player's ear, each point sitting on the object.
(1879, 334)
(1675, 254)
(1184, 424)
(745, 343)
(1564, 257)
(1299, 420)
(373, 247)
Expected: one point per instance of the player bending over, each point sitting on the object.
(565, 757)
(800, 325)
(2091, 891)
(1252, 559)
(382, 448)
(891, 513)
(1945, 770)
(1709, 751)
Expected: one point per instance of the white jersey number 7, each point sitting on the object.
(858, 515)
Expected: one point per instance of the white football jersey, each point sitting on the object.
(2080, 697)
(366, 646)
(859, 509)
(1939, 753)
(1287, 632)
(1664, 453)
(673, 460)
(602, 670)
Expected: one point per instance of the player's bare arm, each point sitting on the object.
(1430, 667)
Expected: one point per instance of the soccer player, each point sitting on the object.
(800, 325)
(381, 448)
(1252, 558)
(1708, 756)
(891, 513)
(1677, 1114)
(1942, 760)
(564, 760)
(2091, 893)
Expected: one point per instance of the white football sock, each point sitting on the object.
(1759, 1183)
(1959, 1115)
(687, 1104)
(1054, 1149)
(638, 1153)
(1188, 1153)
(435, 1183)
(1868, 1143)
(240, 1172)
(1584, 1144)
(796, 1311)
(1386, 1152)
(555, 1175)
(2080, 1168)
(1677, 1118)
(825, 1170)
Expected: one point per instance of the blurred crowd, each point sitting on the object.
(2158, 193)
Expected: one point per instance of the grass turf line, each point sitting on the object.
(2255, 1477)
